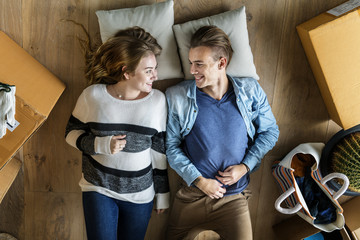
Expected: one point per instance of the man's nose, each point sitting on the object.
(192, 69)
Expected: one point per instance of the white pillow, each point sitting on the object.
(233, 23)
(157, 19)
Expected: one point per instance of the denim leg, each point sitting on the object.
(133, 220)
(101, 216)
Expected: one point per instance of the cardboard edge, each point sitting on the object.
(7, 175)
(28, 112)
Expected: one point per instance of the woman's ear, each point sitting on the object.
(126, 74)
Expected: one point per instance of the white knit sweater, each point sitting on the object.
(139, 171)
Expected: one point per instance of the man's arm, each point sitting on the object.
(184, 167)
(176, 157)
(267, 131)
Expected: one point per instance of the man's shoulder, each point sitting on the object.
(242, 81)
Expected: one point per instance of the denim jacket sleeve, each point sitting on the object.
(263, 123)
(178, 111)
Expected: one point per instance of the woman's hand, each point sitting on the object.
(159, 211)
(117, 143)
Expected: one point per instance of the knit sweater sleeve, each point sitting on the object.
(78, 132)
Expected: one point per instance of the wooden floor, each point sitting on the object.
(45, 200)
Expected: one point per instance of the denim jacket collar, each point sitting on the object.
(191, 92)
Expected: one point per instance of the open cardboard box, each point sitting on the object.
(296, 228)
(331, 44)
(37, 91)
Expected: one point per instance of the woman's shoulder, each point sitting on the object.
(158, 94)
(94, 88)
(94, 91)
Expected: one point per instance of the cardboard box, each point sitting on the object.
(7, 175)
(352, 216)
(296, 228)
(331, 44)
(37, 91)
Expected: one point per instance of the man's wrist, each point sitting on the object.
(196, 181)
(247, 168)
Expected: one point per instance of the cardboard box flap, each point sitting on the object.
(8, 175)
(29, 121)
(37, 91)
(37, 86)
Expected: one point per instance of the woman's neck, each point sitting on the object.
(122, 91)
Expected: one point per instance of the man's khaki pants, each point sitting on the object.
(193, 211)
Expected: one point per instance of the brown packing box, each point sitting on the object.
(37, 91)
(7, 176)
(332, 46)
(296, 228)
(352, 216)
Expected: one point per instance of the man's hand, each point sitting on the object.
(232, 174)
(211, 187)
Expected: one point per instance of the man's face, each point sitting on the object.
(203, 66)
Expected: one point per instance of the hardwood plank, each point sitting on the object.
(297, 103)
(12, 209)
(7, 176)
(53, 216)
(255, 187)
(264, 23)
(50, 164)
(187, 10)
(157, 226)
(266, 214)
(10, 19)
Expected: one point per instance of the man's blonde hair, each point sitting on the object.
(214, 38)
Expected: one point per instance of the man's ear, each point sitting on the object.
(222, 63)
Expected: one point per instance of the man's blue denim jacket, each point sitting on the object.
(253, 106)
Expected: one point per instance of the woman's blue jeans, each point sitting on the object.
(111, 219)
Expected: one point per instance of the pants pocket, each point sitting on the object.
(247, 193)
(189, 194)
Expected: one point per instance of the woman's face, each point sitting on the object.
(144, 75)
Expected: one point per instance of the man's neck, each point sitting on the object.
(217, 91)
